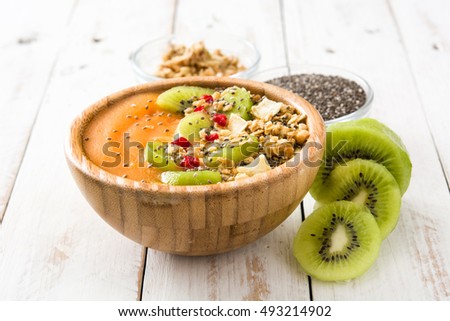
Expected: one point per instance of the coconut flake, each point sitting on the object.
(236, 124)
(259, 165)
(266, 108)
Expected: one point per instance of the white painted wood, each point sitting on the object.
(425, 31)
(52, 244)
(256, 21)
(266, 269)
(27, 54)
(362, 36)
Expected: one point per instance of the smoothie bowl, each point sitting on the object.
(196, 166)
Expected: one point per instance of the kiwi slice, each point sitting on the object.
(190, 126)
(367, 183)
(191, 178)
(365, 139)
(233, 152)
(338, 242)
(178, 98)
(155, 153)
(241, 100)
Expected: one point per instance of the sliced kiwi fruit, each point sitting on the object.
(337, 242)
(156, 154)
(190, 126)
(365, 139)
(241, 100)
(367, 183)
(178, 98)
(233, 152)
(191, 178)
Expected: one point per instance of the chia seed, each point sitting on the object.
(332, 96)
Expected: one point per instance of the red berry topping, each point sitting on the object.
(182, 142)
(199, 108)
(208, 98)
(220, 119)
(190, 162)
(212, 137)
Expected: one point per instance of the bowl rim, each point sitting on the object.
(360, 112)
(151, 77)
(76, 157)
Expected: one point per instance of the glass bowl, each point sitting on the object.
(363, 111)
(146, 59)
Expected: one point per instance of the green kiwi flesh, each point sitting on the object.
(233, 152)
(367, 183)
(155, 153)
(337, 242)
(190, 126)
(365, 139)
(191, 178)
(241, 100)
(178, 98)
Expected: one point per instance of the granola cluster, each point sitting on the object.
(279, 135)
(197, 60)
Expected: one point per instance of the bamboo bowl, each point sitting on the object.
(197, 220)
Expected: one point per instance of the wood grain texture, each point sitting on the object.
(425, 32)
(52, 245)
(27, 55)
(413, 262)
(233, 215)
(263, 270)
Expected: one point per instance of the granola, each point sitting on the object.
(245, 135)
(197, 60)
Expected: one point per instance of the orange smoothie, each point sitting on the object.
(115, 139)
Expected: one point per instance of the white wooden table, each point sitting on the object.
(57, 57)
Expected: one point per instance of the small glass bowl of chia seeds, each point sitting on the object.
(337, 94)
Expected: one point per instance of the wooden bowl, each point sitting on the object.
(197, 220)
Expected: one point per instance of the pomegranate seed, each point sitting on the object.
(182, 142)
(220, 119)
(190, 162)
(199, 108)
(212, 137)
(208, 98)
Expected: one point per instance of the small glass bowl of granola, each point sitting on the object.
(197, 54)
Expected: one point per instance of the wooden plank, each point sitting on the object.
(27, 54)
(256, 21)
(425, 31)
(266, 269)
(52, 244)
(263, 270)
(362, 36)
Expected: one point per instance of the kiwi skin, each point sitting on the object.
(319, 233)
(367, 183)
(367, 139)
